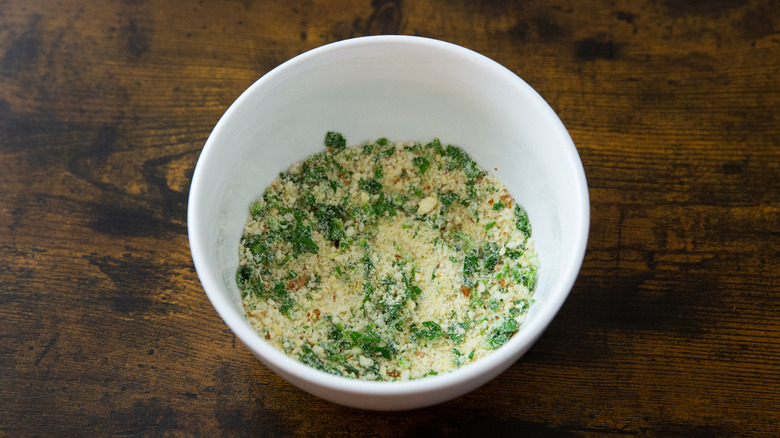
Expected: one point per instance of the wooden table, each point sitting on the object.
(673, 327)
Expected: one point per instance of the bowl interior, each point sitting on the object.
(402, 88)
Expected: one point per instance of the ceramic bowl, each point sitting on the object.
(402, 88)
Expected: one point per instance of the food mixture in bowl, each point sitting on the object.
(386, 261)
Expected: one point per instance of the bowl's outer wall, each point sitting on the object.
(402, 88)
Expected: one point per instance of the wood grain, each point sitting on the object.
(671, 329)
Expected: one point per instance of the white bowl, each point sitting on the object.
(403, 88)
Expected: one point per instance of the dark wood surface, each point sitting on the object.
(673, 327)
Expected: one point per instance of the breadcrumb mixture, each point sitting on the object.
(386, 261)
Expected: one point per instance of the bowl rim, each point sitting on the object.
(278, 360)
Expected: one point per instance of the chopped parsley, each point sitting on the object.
(470, 263)
(309, 358)
(371, 186)
(522, 223)
(514, 255)
(457, 332)
(301, 238)
(383, 206)
(447, 199)
(386, 152)
(335, 142)
(502, 334)
(422, 163)
(430, 331)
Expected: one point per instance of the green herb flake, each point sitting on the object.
(522, 222)
(457, 358)
(312, 175)
(243, 275)
(435, 144)
(456, 157)
(287, 305)
(529, 279)
(387, 152)
(335, 142)
(429, 331)
(491, 255)
(257, 210)
(382, 206)
(447, 199)
(422, 163)
(514, 255)
(474, 213)
(309, 357)
(258, 290)
(470, 264)
(524, 304)
(471, 190)
(368, 290)
(411, 291)
(468, 240)
(457, 332)
(371, 343)
(502, 333)
(368, 265)
(473, 170)
(371, 186)
(301, 239)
